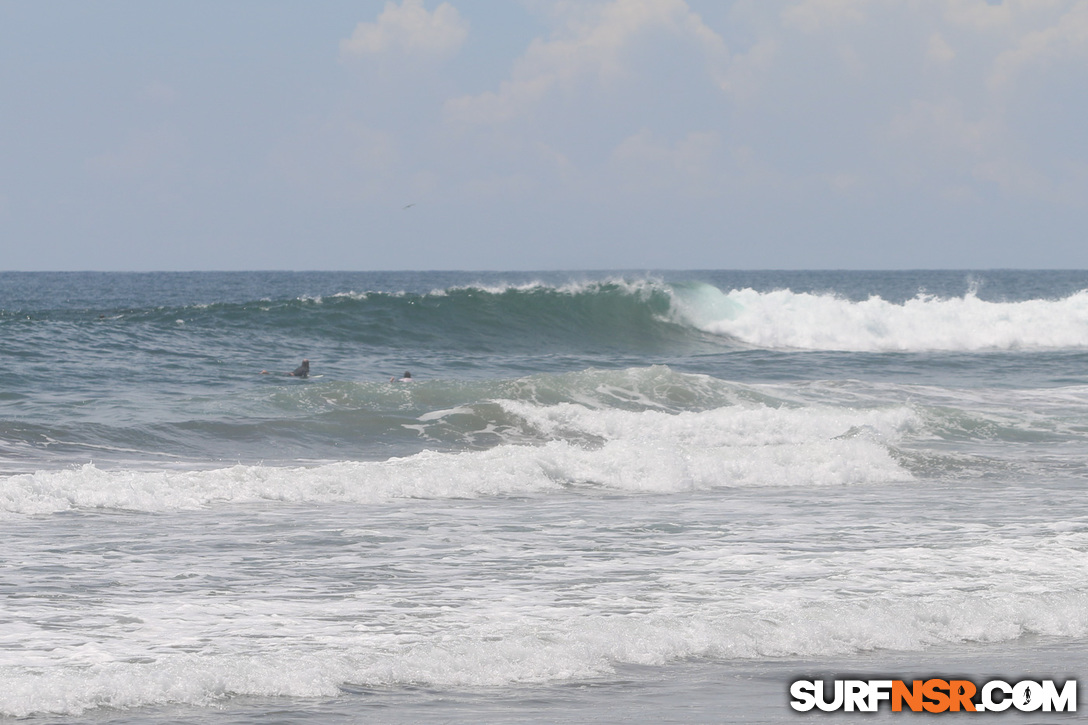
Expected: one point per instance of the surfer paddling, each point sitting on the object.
(302, 371)
(406, 378)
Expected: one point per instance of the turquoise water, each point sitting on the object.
(680, 490)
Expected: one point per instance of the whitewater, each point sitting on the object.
(606, 496)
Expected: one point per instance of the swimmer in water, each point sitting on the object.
(302, 371)
(406, 378)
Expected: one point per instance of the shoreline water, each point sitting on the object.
(604, 498)
(683, 692)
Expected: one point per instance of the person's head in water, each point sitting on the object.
(407, 375)
(302, 370)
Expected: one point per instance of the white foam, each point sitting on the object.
(786, 319)
(425, 475)
(440, 414)
(638, 287)
(730, 446)
(621, 450)
(491, 646)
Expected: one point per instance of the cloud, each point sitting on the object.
(848, 100)
(812, 16)
(1069, 186)
(942, 128)
(938, 147)
(974, 97)
(743, 78)
(938, 51)
(1006, 17)
(593, 46)
(1067, 39)
(408, 29)
(690, 165)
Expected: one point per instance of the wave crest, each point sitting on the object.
(792, 320)
(645, 451)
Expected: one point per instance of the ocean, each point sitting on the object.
(603, 497)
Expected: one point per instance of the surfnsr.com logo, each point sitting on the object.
(934, 695)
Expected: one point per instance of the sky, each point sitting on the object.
(543, 134)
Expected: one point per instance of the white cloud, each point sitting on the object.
(936, 146)
(1067, 39)
(743, 77)
(943, 129)
(968, 96)
(938, 51)
(812, 16)
(410, 30)
(592, 46)
(645, 163)
(1019, 180)
(1007, 17)
(847, 98)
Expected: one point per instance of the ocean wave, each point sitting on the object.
(631, 314)
(676, 428)
(645, 451)
(649, 311)
(322, 419)
(504, 645)
(784, 319)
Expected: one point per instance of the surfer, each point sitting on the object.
(406, 378)
(302, 371)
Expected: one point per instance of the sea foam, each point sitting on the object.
(794, 320)
(513, 647)
(626, 451)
